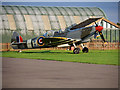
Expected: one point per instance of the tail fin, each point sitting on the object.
(16, 38)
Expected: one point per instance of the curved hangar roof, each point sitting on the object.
(39, 19)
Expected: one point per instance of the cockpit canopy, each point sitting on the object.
(49, 33)
(52, 33)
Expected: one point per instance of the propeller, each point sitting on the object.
(99, 29)
(96, 32)
(96, 24)
(101, 35)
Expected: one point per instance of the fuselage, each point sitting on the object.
(78, 36)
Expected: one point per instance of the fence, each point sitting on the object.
(5, 46)
(102, 46)
(90, 45)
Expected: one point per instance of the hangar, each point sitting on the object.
(32, 21)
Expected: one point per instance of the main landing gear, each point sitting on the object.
(77, 50)
(85, 49)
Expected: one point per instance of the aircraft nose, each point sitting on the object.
(99, 28)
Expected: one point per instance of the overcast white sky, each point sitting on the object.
(60, 0)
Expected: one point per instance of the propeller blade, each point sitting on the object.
(102, 36)
(96, 24)
(95, 35)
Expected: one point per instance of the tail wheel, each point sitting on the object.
(76, 50)
(85, 50)
(19, 51)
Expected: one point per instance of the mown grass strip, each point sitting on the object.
(107, 57)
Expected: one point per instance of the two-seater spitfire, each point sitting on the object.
(70, 37)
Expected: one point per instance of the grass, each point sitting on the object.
(107, 57)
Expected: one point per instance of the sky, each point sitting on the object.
(60, 0)
(110, 8)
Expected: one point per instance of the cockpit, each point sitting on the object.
(49, 33)
(52, 33)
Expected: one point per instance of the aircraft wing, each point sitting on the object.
(55, 41)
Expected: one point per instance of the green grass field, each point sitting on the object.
(107, 57)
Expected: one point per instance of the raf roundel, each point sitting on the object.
(40, 41)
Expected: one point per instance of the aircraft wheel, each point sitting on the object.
(85, 50)
(76, 50)
(20, 51)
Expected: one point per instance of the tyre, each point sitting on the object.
(85, 50)
(76, 50)
(20, 51)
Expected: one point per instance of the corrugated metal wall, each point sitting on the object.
(32, 21)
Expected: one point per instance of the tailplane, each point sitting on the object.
(17, 41)
(16, 38)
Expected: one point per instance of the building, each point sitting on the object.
(111, 30)
(32, 21)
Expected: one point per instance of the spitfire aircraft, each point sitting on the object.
(72, 36)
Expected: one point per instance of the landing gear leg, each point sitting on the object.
(76, 50)
(70, 48)
(85, 49)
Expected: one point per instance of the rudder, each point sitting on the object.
(16, 38)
